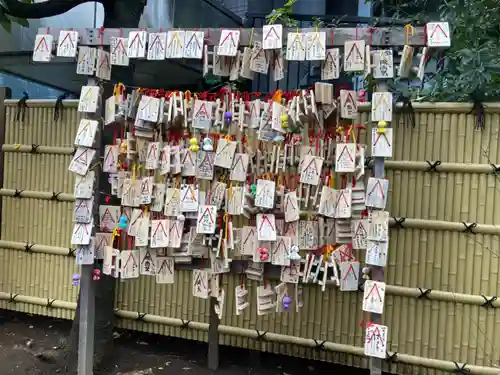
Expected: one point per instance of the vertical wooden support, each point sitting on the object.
(377, 273)
(87, 284)
(5, 93)
(213, 337)
(87, 321)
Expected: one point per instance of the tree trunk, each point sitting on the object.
(118, 14)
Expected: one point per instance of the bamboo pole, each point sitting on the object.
(396, 290)
(400, 165)
(43, 103)
(437, 166)
(437, 107)
(37, 149)
(45, 195)
(444, 225)
(443, 296)
(437, 364)
(36, 248)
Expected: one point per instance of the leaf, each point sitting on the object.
(20, 21)
(5, 22)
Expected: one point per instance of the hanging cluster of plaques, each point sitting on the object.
(279, 182)
(265, 54)
(81, 165)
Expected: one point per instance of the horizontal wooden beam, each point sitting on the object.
(376, 36)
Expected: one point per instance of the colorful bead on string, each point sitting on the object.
(228, 118)
(207, 144)
(381, 127)
(76, 279)
(96, 275)
(286, 302)
(284, 121)
(263, 254)
(194, 145)
(253, 190)
(293, 253)
(123, 223)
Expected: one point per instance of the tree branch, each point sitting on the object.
(47, 8)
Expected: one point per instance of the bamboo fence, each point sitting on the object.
(442, 275)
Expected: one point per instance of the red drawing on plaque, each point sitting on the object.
(195, 38)
(374, 289)
(354, 46)
(348, 153)
(207, 211)
(157, 40)
(139, 42)
(350, 270)
(68, 36)
(379, 185)
(438, 26)
(229, 37)
(42, 43)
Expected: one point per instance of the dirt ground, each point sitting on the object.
(23, 337)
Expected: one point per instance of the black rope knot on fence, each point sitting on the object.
(34, 148)
(59, 106)
(71, 252)
(496, 169)
(12, 297)
(391, 357)
(28, 247)
(399, 221)
(55, 196)
(21, 107)
(424, 293)
(17, 193)
(368, 160)
(461, 369)
(140, 317)
(488, 302)
(469, 228)
(261, 336)
(185, 324)
(74, 151)
(319, 345)
(50, 302)
(433, 165)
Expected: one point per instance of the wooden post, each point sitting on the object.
(213, 337)
(87, 284)
(5, 93)
(377, 273)
(87, 320)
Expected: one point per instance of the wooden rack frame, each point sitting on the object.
(335, 37)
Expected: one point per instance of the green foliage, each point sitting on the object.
(472, 69)
(6, 19)
(318, 22)
(472, 65)
(283, 15)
